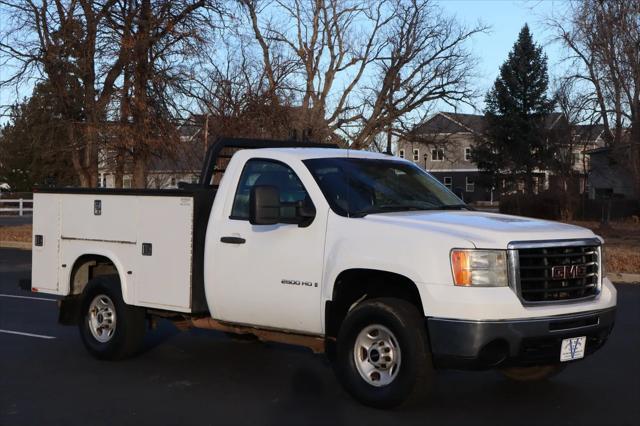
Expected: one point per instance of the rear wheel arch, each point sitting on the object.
(355, 285)
(88, 266)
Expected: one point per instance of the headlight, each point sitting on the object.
(482, 268)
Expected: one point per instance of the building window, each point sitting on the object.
(402, 153)
(172, 182)
(194, 179)
(126, 181)
(448, 182)
(416, 155)
(467, 154)
(437, 154)
(470, 185)
(575, 158)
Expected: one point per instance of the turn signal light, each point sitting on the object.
(479, 268)
(461, 267)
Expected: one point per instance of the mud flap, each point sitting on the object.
(69, 310)
(25, 284)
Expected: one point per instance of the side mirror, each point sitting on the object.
(264, 205)
(305, 212)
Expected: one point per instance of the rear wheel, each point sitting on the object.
(381, 351)
(532, 374)
(110, 329)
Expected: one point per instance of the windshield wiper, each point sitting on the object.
(453, 207)
(388, 208)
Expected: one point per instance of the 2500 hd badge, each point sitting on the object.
(300, 283)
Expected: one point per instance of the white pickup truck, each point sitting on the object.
(360, 255)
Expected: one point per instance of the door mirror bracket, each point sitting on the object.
(306, 212)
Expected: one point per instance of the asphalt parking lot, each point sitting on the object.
(15, 220)
(199, 377)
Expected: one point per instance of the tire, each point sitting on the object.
(382, 351)
(532, 374)
(110, 329)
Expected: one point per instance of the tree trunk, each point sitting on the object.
(635, 156)
(119, 167)
(125, 133)
(140, 99)
(528, 182)
(91, 155)
(83, 176)
(139, 170)
(78, 157)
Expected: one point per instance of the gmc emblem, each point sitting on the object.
(565, 272)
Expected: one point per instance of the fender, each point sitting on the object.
(388, 267)
(126, 281)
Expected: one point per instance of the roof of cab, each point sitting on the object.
(310, 153)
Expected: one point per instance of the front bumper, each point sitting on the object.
(464, 344)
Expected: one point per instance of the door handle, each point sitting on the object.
(233, 240)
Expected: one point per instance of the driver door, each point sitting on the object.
(269, 275)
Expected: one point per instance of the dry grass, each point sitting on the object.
(15, 233)
(622, 242)
(623, 259)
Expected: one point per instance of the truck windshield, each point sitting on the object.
(356, 187)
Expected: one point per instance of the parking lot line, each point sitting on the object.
(19, 333)
(27, 297)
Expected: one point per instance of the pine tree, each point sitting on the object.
(516, 140)
(34, 145)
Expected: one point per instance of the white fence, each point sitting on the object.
(19, 206)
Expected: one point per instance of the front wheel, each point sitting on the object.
(381, 351)
(110, 329)
(535, 373)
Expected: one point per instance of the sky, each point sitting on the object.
(505, 18)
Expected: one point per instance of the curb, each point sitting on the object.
(618, 277)
(20, 245)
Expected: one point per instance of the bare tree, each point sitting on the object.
(321, 35)
(603, 43)
(424, 61)
(164, 40)
(61, 40)
(364, 64)
(127, 60)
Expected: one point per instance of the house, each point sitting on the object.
(165, 172)
(571, 171)
(442, 145)
(200, 130)
(610, 174)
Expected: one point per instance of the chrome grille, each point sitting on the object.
(554, 273)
